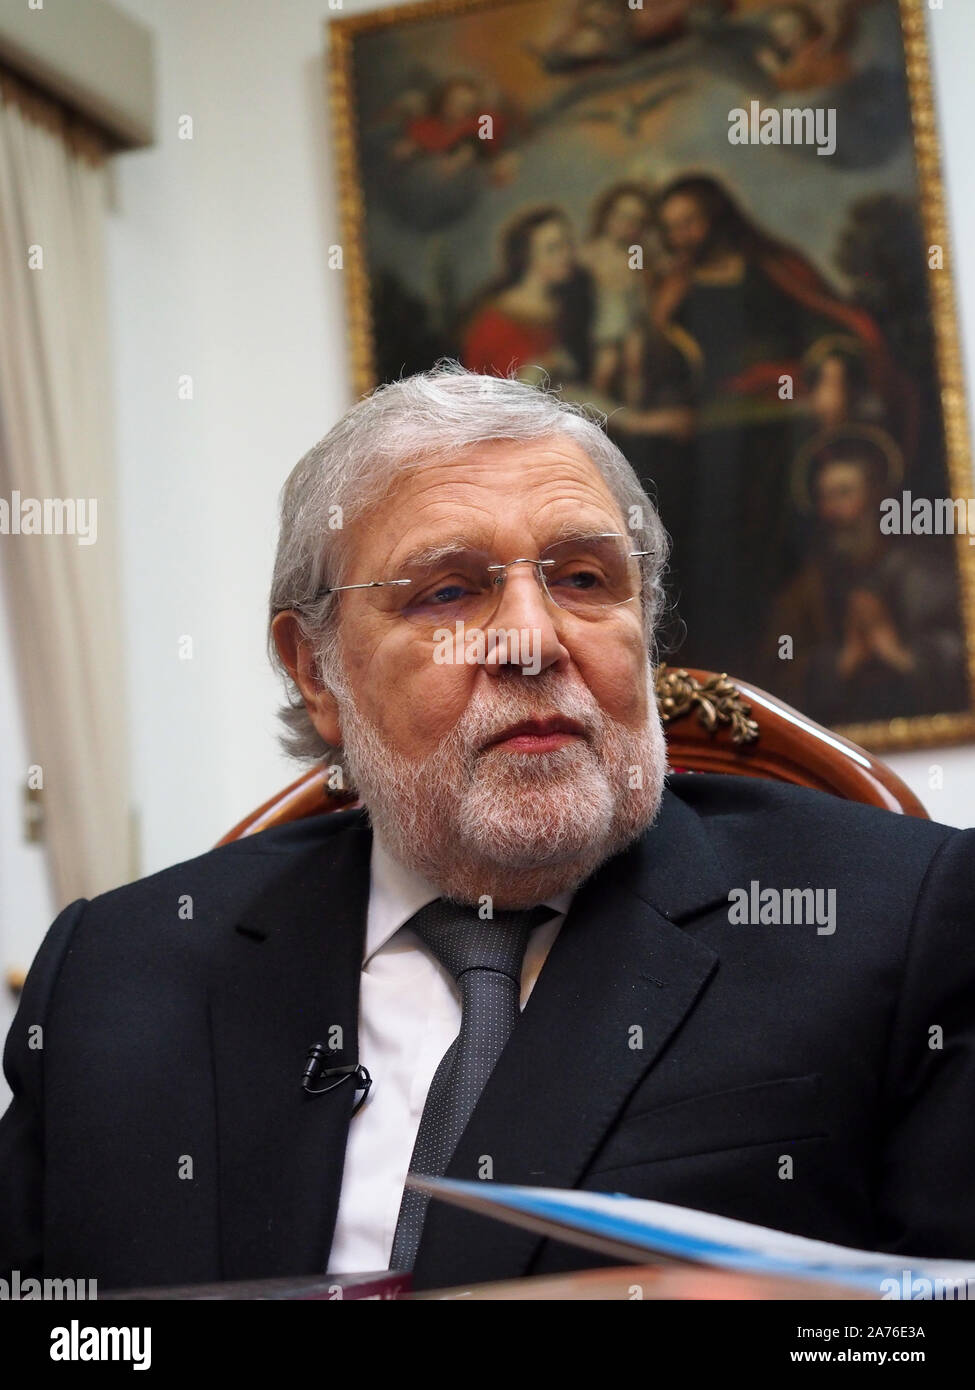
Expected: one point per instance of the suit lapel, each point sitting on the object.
(619, 981)
(621, 963)
(292, 979)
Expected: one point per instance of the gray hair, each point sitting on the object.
(396, 429)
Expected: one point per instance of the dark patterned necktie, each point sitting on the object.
(485, 958)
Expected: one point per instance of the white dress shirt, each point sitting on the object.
(409, 1014)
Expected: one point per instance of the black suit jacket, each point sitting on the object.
(161, 1135)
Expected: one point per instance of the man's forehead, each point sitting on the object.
(503, 487)
(488, 456)
(499, 478)
(441, 546)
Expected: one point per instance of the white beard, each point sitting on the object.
(518, 827)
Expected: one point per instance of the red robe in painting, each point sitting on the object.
(497, 342)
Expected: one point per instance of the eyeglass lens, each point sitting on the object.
(581, 576)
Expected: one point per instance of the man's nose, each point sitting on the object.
(528, 622)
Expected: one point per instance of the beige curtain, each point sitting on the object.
(56, 449)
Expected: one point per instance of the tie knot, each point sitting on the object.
(462, 940)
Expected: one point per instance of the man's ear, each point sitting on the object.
(296, 652)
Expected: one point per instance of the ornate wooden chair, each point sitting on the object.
(714, 723)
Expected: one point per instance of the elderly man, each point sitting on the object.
(535, 941)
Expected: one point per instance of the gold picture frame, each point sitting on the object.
(343, 34)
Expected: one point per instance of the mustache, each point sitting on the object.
(489, 713)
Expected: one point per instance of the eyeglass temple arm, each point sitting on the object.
(372, 584)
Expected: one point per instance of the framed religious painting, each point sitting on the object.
(721, 224)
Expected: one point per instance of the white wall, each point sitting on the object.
(951, 32)
(218, 269)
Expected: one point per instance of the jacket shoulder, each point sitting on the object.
(814, 822)
(235, 869)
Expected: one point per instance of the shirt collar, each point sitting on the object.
(396, 894)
